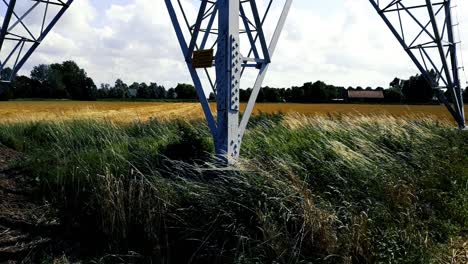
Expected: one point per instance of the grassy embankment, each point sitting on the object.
(330, 190)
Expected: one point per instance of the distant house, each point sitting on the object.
(132, 93)
(366, 96)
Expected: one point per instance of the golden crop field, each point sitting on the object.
(21, 111)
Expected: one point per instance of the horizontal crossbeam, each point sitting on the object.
(432, 48)
(19, 36)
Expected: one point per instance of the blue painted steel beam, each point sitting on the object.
(448, 75)
(454, 58)
(228, 67)
(259, 27)
(193, 73)
(6, 22)
(44, 33)
(196, 30)
(249, 32)
(210, 26)
(6, 33)
(229, 63)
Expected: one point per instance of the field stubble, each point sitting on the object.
(125, 112)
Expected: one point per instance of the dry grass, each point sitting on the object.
(21, 111)
(458, 251)
(116, 111)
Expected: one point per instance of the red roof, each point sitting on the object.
(366, 94)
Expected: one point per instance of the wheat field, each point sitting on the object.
(26, 111)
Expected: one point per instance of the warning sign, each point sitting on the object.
(202, 59)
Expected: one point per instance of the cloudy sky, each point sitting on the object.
(342, 42)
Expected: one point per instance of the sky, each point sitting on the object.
(341, 42)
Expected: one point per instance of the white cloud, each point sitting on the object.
(348, 45)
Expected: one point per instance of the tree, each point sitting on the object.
(171, 94)
(41, 76)
(296, 95)
(315, 92)
(185, 91)
(40, 73)
(143, 90)
(417, 89)
(396, 83)
(333, 92)
(272, 95)
(393, 95)
(65, 80)
(103, 91)
(23, 87)
(341, 93)
(6, 91)
(244, 95)
(119, 90)
(75, 80)
(6, 73)
(212, 97)
(55, 86)
(90, 91)
(157, 91)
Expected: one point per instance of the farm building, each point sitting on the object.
(132, 93)
(366, 96)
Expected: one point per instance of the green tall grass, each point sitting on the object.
(348, 189)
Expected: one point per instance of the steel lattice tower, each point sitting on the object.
(424, 29)
(234, 18)
(25, 25)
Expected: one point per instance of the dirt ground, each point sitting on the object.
(28, 226)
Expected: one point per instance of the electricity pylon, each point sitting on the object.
(235, 19)
(425, 29)
(25, 25)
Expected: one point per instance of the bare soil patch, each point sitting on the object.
(29, 227)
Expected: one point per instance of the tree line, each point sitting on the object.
(58, 81)
(68, 81)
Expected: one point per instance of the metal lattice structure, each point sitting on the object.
(221, 24)
(25, 25)
(424, 28)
